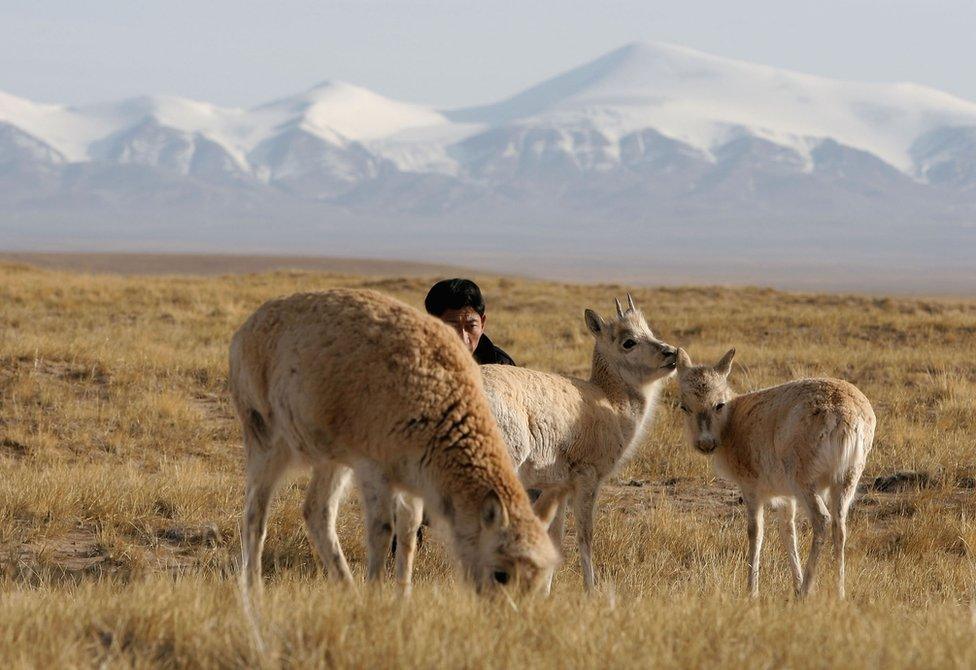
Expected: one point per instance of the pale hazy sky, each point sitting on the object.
(241, 52)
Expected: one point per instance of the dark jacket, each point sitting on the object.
(487, 353)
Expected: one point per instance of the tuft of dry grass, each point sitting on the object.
(120, 490)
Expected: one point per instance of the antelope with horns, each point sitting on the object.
(567, 435)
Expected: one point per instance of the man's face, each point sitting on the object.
(468, 324)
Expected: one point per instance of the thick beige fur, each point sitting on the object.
(567, 435)
(352, 379)
(803, 442)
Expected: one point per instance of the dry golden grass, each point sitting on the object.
(120, 490)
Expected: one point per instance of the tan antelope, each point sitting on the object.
(804, 441)
(567, 435)
(354, 379)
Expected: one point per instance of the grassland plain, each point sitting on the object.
(120, 490)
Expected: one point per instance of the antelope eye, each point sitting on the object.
(718, 407)
(500, 576)
(684, 409)
(629, 344)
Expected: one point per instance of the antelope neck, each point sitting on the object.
(623, 397)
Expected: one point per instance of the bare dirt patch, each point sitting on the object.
(213, 406)
(76, 551)
(207, 535)
(80, 552)
(10, 447)
(877, 499)
(64, 371)
(685, 495)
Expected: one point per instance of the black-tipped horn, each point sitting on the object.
(630, 302)
(620, 311)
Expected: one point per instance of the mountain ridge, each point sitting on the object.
(642, 138)
(626, 80)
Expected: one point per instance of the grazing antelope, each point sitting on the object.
(351, 379)
(804, 441)
(567, 435)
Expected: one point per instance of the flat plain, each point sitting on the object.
(120, 491)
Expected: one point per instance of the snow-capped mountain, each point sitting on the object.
(703, 100)
(649, 134)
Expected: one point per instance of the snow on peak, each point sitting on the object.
(700, 99)
(684, 94)
(351, 111)
(336, 111)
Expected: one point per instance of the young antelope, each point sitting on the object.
(805, 441)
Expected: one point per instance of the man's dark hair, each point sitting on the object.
(454, 294)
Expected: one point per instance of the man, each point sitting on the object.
(459, 304)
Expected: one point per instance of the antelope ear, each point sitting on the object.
(493, 514)
(546, 508)
(683, 360)
(724, 366)
(593, 322)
